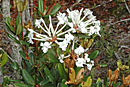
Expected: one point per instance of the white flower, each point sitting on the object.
(69, 37)
(92, 62)
(30, 36)
(63, 45)
(51, 35)
(61, 57)
(89, 66)
(86, 57)
(80, 62)
(90, 26)
(79, 50)
(45, 46)
(62, 18)
(38, 22)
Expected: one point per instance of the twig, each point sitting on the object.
(127, 6)
(120, 21)
(101, 4)
(8, 55)
(77, 2)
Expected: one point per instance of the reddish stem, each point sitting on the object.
(21, 22)
(34, 3)
(44, 5)
(51, 7)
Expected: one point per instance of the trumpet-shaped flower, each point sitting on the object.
(79, 50)
(80, 62)
(89, 66)
(86, 57)
(50, 35)
(45, 46)
(30, 36)
(62, 18)
(62, 57)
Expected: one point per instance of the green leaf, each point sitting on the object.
(103, 65)
(23, 55)
(18, 21)
(19, 29)
(8, 24)
(118, 84)
(55, 9)
(44, 82)
(4, 59)
(31, 61)
(61, 71)
(13, 38)
(27, 77)
(15, 66)
(41, 6)
(52, 56)
(99, 84)
(63, 83)
(20, 85)
(24, 43)
(48, 74)
(94, 54)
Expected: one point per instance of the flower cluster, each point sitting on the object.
(87, 24)
(82, 21)
(50, 35)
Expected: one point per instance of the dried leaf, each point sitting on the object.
(126, 80)
(110, 74)
(29, 25)
(72, 75)
(80, 74)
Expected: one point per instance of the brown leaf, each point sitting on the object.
(80, 74)
(126, 80)
(29, 25)
(110, 75)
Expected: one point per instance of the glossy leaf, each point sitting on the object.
(61, 71)
(27, 77)
(8, 24)
(48, 74)
(13, 38)
(20, 85)
(55, 9)
(19, 29)
(4, 59)
(94, 54)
